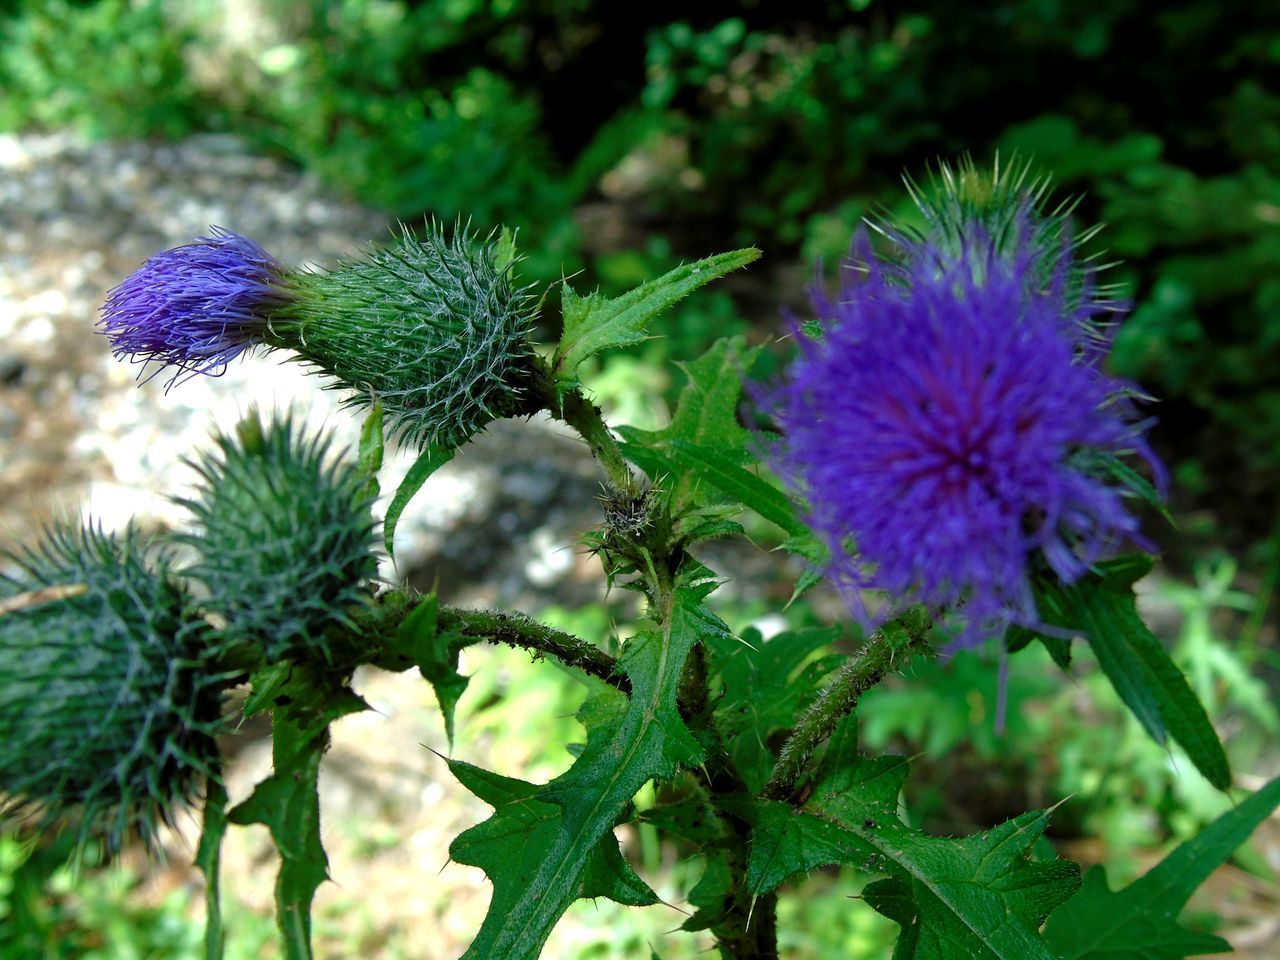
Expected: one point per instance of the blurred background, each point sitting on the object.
(621, 139)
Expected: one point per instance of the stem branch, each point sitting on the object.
(518, 630)
(887, 650)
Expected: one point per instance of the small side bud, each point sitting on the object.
(284, 539)
(111, 698)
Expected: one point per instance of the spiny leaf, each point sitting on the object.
(1140, 921)
(537, 875)
(706, 415)
(594, 323)
(432, 459)
(288, 804)
(711, 896)
(521, 819)
(1102, 606)
(419, 641)
(976, 897)
(765, 685)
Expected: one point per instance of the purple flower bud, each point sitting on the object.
(945, 426)
(196, 307)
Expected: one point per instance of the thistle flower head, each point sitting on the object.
(195, 307)
(109, 700)
(284, 541)
(431, 326)
(943, 425)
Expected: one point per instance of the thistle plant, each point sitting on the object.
(949, 452)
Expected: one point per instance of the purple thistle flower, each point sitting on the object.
(195, 307)
(942, 428)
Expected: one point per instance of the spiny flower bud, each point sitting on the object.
(431, 327)
(196, 307)
(109, 700)
(284, 541)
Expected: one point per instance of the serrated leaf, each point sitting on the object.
(371, 447)
(595, 323)
(705, 414)
(693, 819)
(288, 804)
(1140, 921)
(536, 877)
(209, 861)
(785, 843)
(1102, 607)
(711, 896)
(977, 897)
(419, 641)
(765, 685)
(522, 819)
(431, 460)
(749, 489)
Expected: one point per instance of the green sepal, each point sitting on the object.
(1140, 921)
(595, 323)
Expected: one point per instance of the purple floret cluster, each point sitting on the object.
(195, 307)
(940, 428)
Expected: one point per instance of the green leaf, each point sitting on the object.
(976, 897)
(739, 482)
(693, 819)
(209, 861)
(705, 415)
(712, 895)
(432, 459)
(1103, 608)
(595, 323)
(419, 641)
(537, 875)
(522, 819)
(1140, 921)
(765, 685)
(371, 448)
(288, 804)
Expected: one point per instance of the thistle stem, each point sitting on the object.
(888, 650)
(518, 630)
(584, 416)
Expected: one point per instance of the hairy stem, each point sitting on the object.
(518, 630)
(888, 650)
(584, 416)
